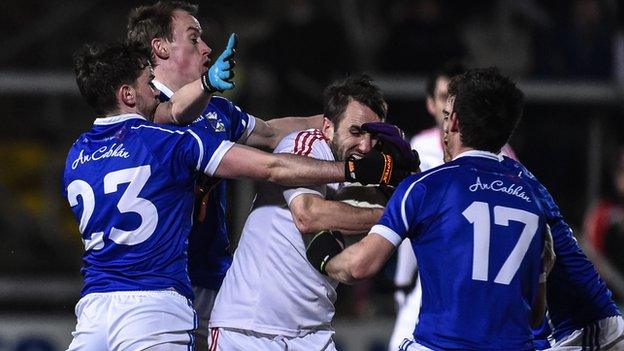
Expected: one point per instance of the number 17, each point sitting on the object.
(478, 213)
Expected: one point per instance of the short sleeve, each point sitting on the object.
(402, 211)
(241, 123)
(305, 143)
(204, 150)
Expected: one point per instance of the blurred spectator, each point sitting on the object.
(423, 35)
(604, 229)
(580, 45)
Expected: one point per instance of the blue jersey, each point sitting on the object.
(477, 229)
(576, 294)
(130, 185)
(209, 255)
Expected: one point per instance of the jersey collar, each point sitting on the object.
(163, 88)
(480, 153)
(117, 119)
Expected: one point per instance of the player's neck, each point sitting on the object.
(167, 76)
(460, 149)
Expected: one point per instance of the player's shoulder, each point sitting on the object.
(520, 170)
(430, 178)
(221, 104)
(302, 142)
(219, 101)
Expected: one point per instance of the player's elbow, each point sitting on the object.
(181, 116)
(360, 270)
(305, 224)
(306, 214)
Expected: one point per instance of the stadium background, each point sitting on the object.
(568, 56)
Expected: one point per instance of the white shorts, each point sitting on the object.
(226, 339)
(606, 334)
(203, 303)
(134, 320)
(407, 317)
(411, 345)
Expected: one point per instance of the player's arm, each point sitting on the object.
(361, 260)
(293, 170)
(313, 213)
(185, 105)
(366, 257)
(538, 310)
(269, 133)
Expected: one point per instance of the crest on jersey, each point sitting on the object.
(215, 121)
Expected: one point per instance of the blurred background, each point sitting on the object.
(567, 55)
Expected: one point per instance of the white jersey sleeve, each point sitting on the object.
(310, 143)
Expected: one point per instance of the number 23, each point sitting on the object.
(129, 202)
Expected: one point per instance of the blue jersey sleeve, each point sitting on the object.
(576, 294)
(403, 211)
(241, 123)
(197, 149)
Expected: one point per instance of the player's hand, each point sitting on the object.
(325, 245)
(388, 163)
(548, 255)
(219, 76)
(391, 140)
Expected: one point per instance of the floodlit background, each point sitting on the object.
(567, 55)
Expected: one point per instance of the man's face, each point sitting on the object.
(188, 51)
(447, 140)
(348, 137)
(436, 104)
(146, 94)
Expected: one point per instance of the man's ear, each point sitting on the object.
(160, 48)
(453, 123)
(328, 128)
(126, 95)
(431, 105)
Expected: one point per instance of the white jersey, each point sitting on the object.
(428, 143)
(271, 287)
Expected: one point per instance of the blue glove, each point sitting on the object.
(219, 76)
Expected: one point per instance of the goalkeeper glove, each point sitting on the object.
(390, 161)
(219, 76)
(323, 247)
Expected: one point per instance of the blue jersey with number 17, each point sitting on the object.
(130, 185)
(477, 232)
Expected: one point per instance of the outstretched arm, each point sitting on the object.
(269, 133)
(285, 169)
(374, 167)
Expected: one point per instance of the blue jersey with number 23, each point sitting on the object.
(130, 184)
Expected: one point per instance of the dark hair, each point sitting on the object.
(101, 69)
(155, 21)
(488, 106)
(449, 69)
(360, 88)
